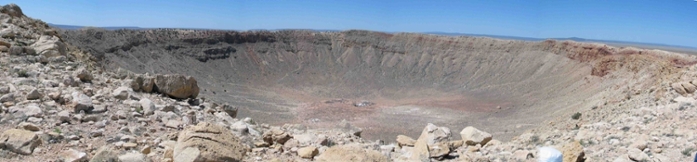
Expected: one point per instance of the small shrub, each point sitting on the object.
(625, 128)
(57, 130)
(647, 121)
(684, 106)
(576, 116)
(330, 143)
(585, 143)
(688, 151)
(22, 73)
(535, 139)
(139, 109)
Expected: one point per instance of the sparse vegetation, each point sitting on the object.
(684, 106)
(139, 109)
(535, 139)
(22, 73)
(576, 116)
(625, 128)
(586, 143)
(57, 130)
(688, 151)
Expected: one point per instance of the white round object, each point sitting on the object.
(549, 154)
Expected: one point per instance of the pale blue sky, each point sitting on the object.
(653, 21)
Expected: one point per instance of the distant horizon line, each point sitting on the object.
(574, 38)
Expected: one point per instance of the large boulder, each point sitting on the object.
(308, 152)
(432, 143)
(19, 141)
(474, 136)
(351, 153)
(208, 142)
(276, 135)
(49, 46)
(177, 86)
(148, 84)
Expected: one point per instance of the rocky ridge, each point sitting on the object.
(58, 106)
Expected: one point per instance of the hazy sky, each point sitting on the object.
(655, 21)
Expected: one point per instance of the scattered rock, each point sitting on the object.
(350, 129)
(439, 150)
(105, 154)
(147, 106)
(136, 83)
(72, 155)
(177, 86)
(16, 50)
(129, 145)
(19, 141)
(34, 95)
(573, 152)
(308, 152)
(84, 75)
(7, 97)
(148, 84)
(33, 110)
(350, 153)
(64, 116)
(4, 89)
(459, 143)
(49, 46)
(231, 111)
(81, 102)
(29, 51)
(276, 135)
(678, 88)
(29, 126)
(208, 142)
(132, 157)
(173, 124)
(689, 88)
(403, 140)
(637, 155)
(474, 136)
(145, 150)
(120, 93)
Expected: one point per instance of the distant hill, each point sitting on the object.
(675, 48)
(75, 27)
(577, 39)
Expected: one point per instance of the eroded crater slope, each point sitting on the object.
(316, 78)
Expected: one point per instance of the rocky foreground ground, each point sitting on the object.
(57, 105)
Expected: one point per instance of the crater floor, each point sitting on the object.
(316, 78)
